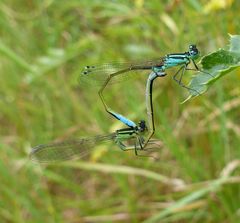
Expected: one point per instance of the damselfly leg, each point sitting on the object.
(181, 71)
(200, 70)
(131, 138)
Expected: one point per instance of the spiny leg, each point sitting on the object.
(140, 147)
(149, 136)
(122, 146)
(179, 81)
(137, 146)
(152, 144)
(195, 65)
(176, 74)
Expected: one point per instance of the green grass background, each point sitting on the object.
(43, 47)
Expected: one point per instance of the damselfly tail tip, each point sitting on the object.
(87, 69)
(38, 154)
(32, 157)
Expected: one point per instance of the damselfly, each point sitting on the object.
(111, 72)
(66, 150)
(134, 135)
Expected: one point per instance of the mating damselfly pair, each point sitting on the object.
(104, 74)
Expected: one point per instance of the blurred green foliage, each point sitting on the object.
(44, 45)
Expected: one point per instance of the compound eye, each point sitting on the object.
(192, 47)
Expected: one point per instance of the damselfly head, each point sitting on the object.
(193, 51)
(142, 126)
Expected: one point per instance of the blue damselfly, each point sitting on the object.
(108, 73)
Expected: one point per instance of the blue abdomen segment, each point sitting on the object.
(124, 120)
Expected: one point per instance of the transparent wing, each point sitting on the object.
(66, 150)
(98, 74)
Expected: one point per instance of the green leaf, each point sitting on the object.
(214, 66)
